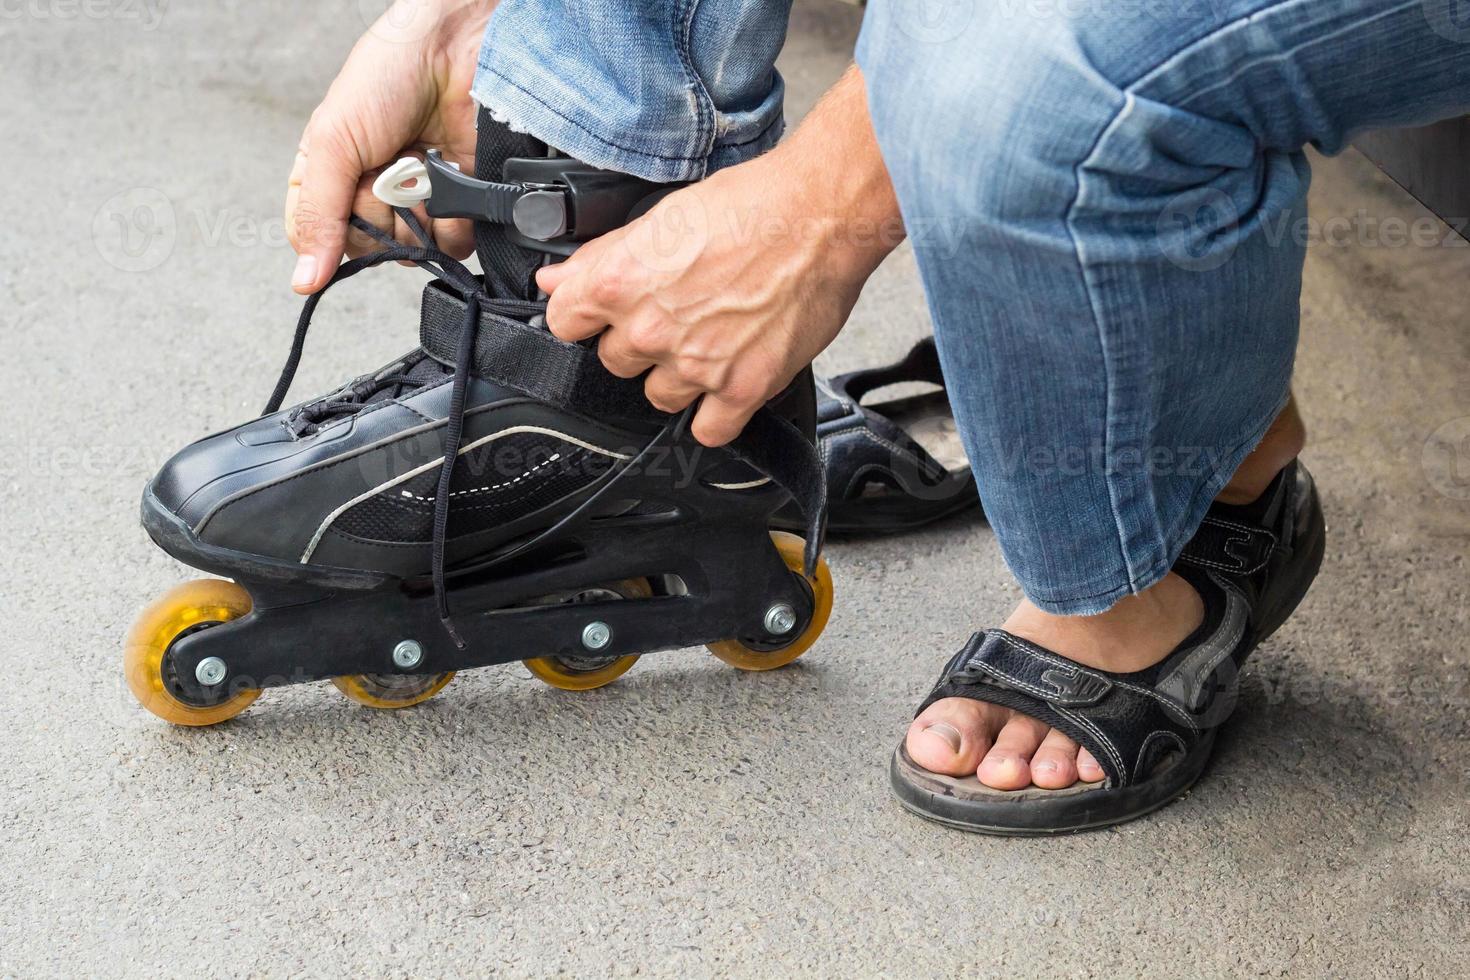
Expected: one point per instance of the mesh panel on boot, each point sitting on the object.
(494, 483)
(509, 268)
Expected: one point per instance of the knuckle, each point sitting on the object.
(704, 373)
(556, 306)
(647, 336)
(606, 288)
(615, 359)
(615, 278)
(745, 390)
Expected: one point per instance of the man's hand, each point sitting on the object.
(729, 287)
(405, 87)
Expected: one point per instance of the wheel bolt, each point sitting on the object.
(407, 655)
(780, 619)
(210, 671)
(596, 635)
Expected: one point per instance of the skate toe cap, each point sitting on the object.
(189, 483)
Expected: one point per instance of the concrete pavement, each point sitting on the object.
(688, 819)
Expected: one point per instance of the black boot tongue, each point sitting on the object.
(510, 269)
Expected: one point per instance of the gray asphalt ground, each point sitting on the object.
(689, 819)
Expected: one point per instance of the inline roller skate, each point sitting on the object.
(494, 495)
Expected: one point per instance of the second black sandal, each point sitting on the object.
(893, 466)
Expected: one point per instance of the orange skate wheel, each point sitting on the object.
(737, 654)
(183, 609)
(392, 690)
(587, 673)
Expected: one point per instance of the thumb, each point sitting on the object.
(322, 206)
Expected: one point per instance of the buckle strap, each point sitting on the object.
(1228, 546)
(548, 203)
(998, 656)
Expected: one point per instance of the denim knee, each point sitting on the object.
(1033, 173)
(986, 117)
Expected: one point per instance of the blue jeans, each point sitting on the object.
(1105, 198)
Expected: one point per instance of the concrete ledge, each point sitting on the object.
(1430, 162)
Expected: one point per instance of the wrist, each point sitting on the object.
(847, 223)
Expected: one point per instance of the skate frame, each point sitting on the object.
(706, 550)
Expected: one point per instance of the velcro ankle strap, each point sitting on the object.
(571, 377)
(1226, 546)
(1014, 662)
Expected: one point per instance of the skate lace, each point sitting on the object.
(358, 395)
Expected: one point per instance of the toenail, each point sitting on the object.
(947, 732)
(1045, 766)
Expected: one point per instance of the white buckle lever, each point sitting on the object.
(389, 188)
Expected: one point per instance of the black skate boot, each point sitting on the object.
(493, 495)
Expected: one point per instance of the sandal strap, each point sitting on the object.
(1229, 546)
(1121, 719)
(1241, 540)
(859, 443)
(921, 363)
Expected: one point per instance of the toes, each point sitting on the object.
(1004, 750)
(1087, 768)
(1054, 766)
(951, 736)
(1008, 763)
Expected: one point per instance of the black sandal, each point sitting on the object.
(1152, 731)
(894, 466)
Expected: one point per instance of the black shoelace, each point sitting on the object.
(355, 397)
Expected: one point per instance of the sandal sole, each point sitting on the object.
(1041, 814)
